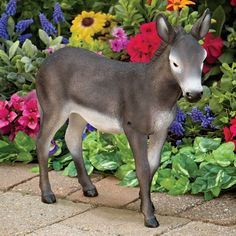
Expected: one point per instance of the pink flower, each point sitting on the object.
(30, 120)
(17, 102)
(30, 107)
(6, 117)
(233, 3)
(3, 104)
(118, 32)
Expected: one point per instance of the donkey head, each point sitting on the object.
(186, 55)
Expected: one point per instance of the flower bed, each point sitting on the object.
(199, 154)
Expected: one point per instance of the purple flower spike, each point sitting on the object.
(23, 37)
(57, 14)
(11, 8)
(3, 26)
(47, 25)
(90, 128)
(53, 148)
(196, 115)
(22, 25)
(177, 128)
(64, 40)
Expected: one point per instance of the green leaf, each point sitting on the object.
(203, 145)
(3, 144)
(11, 26)
(13, 49)
(130, 180)
(219, 16)
(24, 142)
(35, 169)
(123, 170)
(29, 48)
(24, 157)
(199, 185)
(57, 165)
(224, 154)
(182, 185)
(4, 57)
(44, 37)
(88, 166)
(70, 170)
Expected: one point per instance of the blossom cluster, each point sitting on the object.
(230, 133)
(19, 114)
(177, 125)
(142, 46)
(120, 42)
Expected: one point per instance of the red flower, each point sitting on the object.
(233, 3)
(230, 133)
(213, 46)
(206, 68)
(149, 2)
(142, 47)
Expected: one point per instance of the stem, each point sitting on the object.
(58, 29)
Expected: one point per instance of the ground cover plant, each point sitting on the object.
(199, 154)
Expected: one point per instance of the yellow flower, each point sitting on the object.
(178, 4)
(87, 24)
(109, 24)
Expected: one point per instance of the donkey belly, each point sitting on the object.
(102, 122)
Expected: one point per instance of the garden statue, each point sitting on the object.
(138, 99)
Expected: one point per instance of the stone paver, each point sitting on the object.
(61, 185)
(110, 221)
(170, 205)
(110, 194)
(202, 229)
(11, 175)
(220, 211)
(21, 214)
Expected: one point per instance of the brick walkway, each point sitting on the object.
(113, 212)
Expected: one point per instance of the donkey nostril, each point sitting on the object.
(201, 93)
(188, 94)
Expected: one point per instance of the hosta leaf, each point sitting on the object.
(13, 49)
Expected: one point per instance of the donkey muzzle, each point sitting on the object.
(194, 96)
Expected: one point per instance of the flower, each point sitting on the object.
(233, 3)
(178, 4)
(23, 37)
(53, 148)
(29, 121)
(22, 25)
(90, 128)
(47, 25)
(85, 25)
(119, 33)
(57, 14)
(213, 45)
(3, 26)
(229, 137)
(11, 8)
(177, 128)
(64, 40)
(17, 102)
(196, 115)
(142, 47)
(6, 117)
(109, 24)
(30, 107)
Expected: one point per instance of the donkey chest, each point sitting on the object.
(163, 119)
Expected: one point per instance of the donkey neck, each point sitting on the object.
(165, 87)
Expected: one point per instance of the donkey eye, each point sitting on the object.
(175, 65)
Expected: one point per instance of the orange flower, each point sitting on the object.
(178, 4)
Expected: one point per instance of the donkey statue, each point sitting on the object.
(138, 99)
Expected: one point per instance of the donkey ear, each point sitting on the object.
(201, 27)
(165, 29)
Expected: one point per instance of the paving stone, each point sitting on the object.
(11, 175)
(110, 221)
(61, 185)
(22, 214)
(110, 194)
(62, 230)
(170, 205)
(202, 229)
(220, 211)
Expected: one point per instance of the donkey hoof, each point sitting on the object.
(151, 222)
(49, 198)
(90, 192)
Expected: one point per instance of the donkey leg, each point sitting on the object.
(73, 140)
(50, 123)
(154, 152)
(138, 144)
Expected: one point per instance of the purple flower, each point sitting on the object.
(116, 45)
(47, 25)
(196, 115)
(177, 128)
(53, 148)
(22, 25)
(180, 115)
(64, 40)
(57, 14)
(90, 128)
(119, 33)
(178, 142)
(84, 135)
(23, 37)
(3, 26)
(11, 8)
